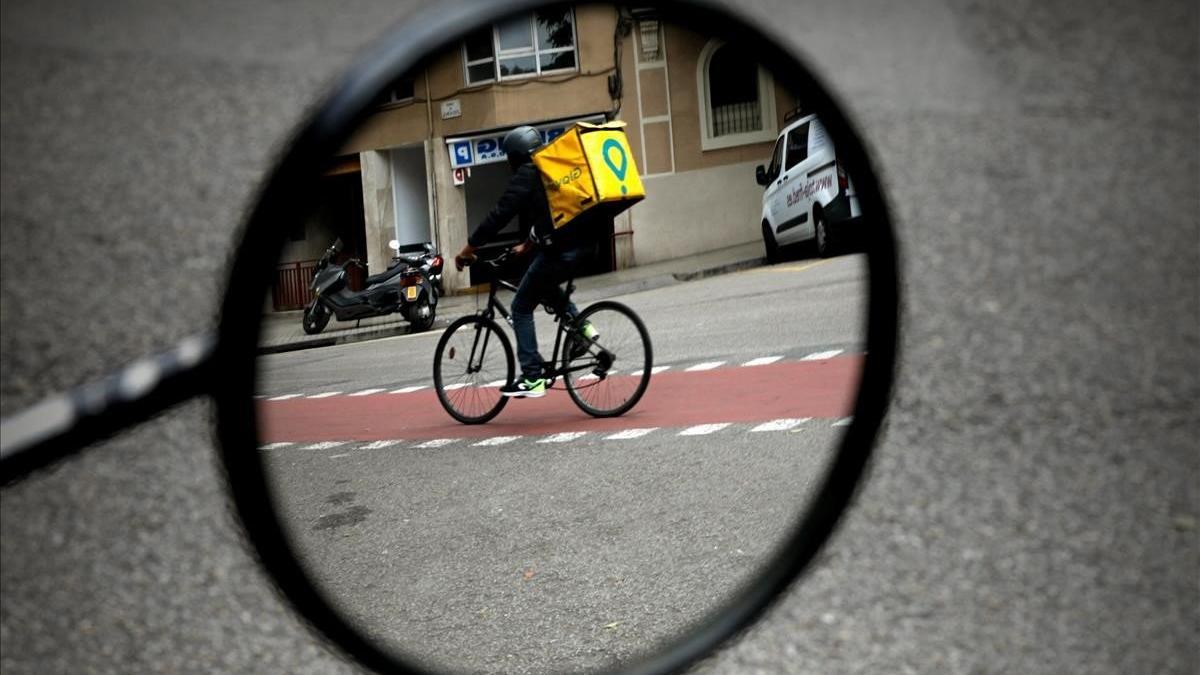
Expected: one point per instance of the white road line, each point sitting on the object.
(762, 361)
(378, 445)
(781, 424)
(497, 383)
(436, 443)
(326, 394)
(497, 440)
(339, 456)
(563, 437)
(284, 397)
(460, 385)
(324, 445)
(703, 429)
(366, 392)
(844, 422)
(653, 371)
(589, 376)
(707, 365)
(821, 356)
(276, 446)
(409, 390)
(630, 433)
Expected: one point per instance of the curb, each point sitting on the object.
(332, 340)
(720, 269)
(636, 286)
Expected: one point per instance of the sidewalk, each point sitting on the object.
(282, 332)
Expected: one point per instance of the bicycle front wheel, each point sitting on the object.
(606, 375)
(472, 361)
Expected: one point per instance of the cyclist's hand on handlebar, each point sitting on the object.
(465, 257)
(522, 248)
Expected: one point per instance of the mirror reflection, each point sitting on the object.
(571, 338)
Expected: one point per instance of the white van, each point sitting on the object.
(808, 195)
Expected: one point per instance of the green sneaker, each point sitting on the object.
(579, 347)
(525, 389)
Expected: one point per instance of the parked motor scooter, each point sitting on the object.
(410, 285)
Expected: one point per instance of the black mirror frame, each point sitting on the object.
(288, 195)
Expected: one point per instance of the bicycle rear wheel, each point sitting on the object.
(472, 361)
(609, 373)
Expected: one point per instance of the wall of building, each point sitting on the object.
(696, 211)
(498, 104)
(696, 200)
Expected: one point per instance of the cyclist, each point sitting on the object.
(556, 254)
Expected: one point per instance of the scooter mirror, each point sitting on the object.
(442, 477)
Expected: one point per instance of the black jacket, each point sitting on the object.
(525, 198)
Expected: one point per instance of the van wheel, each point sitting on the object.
(769, 242)
(824, 237)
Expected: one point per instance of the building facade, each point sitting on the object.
(700, 115)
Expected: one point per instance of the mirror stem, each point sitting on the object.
(65, 423)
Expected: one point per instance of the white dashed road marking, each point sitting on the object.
(762, 361)
(784, 424)
(706, 365)
(780, 425)
(379, 445)
(324, 445)
(820, 356)
(497, 440)
(630, 433)
(563, 437)
(703, 429)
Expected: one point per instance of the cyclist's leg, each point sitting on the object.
(529, 292)
(558, 266)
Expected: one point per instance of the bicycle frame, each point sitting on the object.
(550, 369)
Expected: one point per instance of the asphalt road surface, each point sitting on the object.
(547, 539)
(1033, 507)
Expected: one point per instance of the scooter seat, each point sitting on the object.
(398, 267)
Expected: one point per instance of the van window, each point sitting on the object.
(817, 138)
(776, 159)
(797, 145)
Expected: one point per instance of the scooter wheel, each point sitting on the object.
(316, 317)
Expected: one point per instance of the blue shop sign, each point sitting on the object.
(485, 148)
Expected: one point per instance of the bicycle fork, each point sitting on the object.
(476, 348)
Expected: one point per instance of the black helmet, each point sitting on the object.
(520, 143)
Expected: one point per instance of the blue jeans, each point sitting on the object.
(549, 268)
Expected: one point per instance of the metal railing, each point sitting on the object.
(291, 288)
(736, 118)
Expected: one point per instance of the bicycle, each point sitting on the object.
(605, 375)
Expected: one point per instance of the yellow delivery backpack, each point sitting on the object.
(589, 168)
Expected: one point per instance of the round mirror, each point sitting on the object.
(576, 324)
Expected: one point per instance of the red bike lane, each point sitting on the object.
(789, 389)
